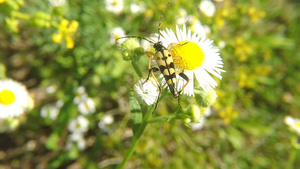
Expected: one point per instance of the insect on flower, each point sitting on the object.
(165, 63)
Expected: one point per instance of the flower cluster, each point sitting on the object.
(79, 126)
(84, 103)
(14, 99)
(66, 30)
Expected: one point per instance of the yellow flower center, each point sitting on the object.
(117, 36)
(115, 2)
(187, 55)
(7, 97)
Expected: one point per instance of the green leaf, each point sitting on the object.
(236, 138)
(52, 141)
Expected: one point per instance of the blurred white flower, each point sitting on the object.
(114, 6)
(221, 44)
(76, 139)
(86, 106)
(146, 92)
(137, 8)
(293, 123)
(182, 17)
(105, 122)
(199, 29)
(207, 7)
(197, 125)
(197, 122)
(14, 98)
(55, 3)
(51, 111)
(51, 89)
(80, 95)
(79, 125)
(116, 33)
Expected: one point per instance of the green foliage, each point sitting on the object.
(246, 129)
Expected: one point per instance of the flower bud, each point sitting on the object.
(195, 113)
(205, 98)
(131, 47)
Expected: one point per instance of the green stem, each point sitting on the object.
(168, 118)
(137, 69)
(292, 157)
(137, 137)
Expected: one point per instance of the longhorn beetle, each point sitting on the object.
(165, 63)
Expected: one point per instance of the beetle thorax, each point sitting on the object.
(158, 46)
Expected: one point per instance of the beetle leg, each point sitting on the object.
(151, 70)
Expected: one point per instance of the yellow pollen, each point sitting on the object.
(115, 2)
(7, 97)
(187, 55)
(116, 37)
(86, 106)
(298, 124)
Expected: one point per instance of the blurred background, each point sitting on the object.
(63, 51)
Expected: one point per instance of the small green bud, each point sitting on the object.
(195, 113)
(41, 19)
(139, 51)
(131, 48)
(187, 121)
(59, 10)
(205, 98)
(130, 44)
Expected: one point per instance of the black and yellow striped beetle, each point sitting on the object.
(165, 63)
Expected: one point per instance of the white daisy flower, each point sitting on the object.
(114, 6)
(14, 98)
(80, 95)
(146, 91)
(207, 7)
(293, 123)
(137, 8)
(79, 125)
(86, 106)
(116, 33)
(193, 56)
(76, 139)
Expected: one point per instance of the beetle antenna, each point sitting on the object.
(161, 16)
(137, 37)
